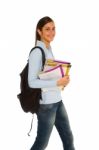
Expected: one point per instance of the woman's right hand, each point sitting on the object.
(63, 81)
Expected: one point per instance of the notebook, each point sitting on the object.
(54, 69)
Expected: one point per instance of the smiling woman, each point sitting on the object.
(47, 33)
(52, 110)
(45, 30)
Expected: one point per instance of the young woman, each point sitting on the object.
(52, 111)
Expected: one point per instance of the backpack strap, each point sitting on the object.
(43, 54)
(31, 126)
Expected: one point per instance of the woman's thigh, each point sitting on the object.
(46, 120)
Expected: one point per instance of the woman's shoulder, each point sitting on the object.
(35, 52)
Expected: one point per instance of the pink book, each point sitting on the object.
(52, 69)
(55, 73)
(63, 62)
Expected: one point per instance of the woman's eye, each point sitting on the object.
(47, 29)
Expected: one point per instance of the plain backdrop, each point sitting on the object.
(77, 41)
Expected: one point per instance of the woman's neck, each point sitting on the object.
(47, 44)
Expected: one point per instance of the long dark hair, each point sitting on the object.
(40, 25)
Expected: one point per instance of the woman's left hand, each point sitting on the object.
(66, 84)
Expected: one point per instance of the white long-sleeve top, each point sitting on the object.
(35, 65)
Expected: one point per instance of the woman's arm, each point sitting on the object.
(35, 61)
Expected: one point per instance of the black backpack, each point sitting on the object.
(29, 97)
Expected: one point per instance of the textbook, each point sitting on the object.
(54, 69)
(53, 73)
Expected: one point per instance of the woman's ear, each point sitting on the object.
(39, 32)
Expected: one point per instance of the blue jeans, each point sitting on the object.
(48, 116)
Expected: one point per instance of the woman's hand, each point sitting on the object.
(63, 81)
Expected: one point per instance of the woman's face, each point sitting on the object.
(48, 32)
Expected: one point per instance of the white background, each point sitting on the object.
(77, 41)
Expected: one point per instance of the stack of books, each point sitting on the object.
(54, 69)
